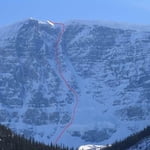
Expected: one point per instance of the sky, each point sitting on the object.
(128, 11)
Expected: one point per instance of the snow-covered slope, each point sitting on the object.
(108, 66)
(91, 147)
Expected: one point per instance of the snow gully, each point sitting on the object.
(72, 90)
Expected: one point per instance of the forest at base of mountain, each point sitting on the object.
(131, 140)
(12, 141)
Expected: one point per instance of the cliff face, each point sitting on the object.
(108, 66)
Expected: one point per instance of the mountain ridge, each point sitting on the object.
(112, 24)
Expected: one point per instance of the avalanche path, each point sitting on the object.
(72, 90)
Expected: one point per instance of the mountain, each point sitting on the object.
(107, 64)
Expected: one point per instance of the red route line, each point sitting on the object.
(57, 54)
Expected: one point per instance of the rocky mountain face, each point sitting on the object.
(108, 66)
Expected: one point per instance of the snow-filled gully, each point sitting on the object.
(72, 90)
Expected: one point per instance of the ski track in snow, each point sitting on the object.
(72, 90)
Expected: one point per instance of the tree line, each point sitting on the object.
(130, 141)
(11, 141)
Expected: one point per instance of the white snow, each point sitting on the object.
(91, 147)
(50, 22)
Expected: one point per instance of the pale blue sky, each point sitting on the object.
(131, 11)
